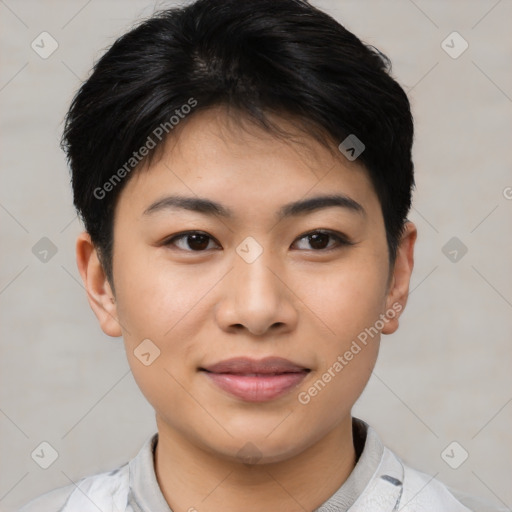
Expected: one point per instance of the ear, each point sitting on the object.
(99, 292)
(398, 290)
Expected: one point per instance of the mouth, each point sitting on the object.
(256, 380)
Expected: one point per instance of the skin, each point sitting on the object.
(297, 300)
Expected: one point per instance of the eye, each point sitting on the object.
(320, 238)
(196, 241)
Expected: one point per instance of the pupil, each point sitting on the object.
(195, 244)
(314, 240)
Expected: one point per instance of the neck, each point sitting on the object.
(193, 479)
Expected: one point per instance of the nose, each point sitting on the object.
(256, 297)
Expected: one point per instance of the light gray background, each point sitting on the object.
(444, 376)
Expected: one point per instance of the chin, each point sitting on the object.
(261, 448)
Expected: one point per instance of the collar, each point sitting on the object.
(145, 494)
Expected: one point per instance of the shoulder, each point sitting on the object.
(52, 501)
(397, 486)
(423, 492)
(477, 504)
(101, 490)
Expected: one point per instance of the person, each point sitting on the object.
(243, 170)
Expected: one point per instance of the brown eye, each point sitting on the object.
(192, 241)
(319, 240)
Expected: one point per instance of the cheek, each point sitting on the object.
(348, 298)
(332, 392)
(167, 305)
(349, 303)
(154, 296)
(350, 307)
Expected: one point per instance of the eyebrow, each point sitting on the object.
(208, 207)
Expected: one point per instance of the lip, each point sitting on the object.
(256, 380)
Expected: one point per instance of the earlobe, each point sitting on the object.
(99, 292)
(399, 288)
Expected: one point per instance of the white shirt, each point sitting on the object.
(379, 482)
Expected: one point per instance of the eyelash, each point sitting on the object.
(341, 240)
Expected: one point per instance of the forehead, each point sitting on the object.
(215, 155)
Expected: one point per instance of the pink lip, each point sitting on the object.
(256, 381)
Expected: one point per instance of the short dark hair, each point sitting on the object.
(257, 57)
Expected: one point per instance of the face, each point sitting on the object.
(215, 294)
